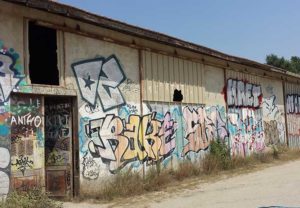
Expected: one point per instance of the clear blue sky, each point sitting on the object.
(245, 28)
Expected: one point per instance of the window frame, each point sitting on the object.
(60, 52)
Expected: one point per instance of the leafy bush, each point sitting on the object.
(218, 157)
(35, 198)
(275, 152)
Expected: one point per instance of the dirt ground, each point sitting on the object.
(277, 185)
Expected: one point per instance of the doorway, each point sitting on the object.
(58, 146)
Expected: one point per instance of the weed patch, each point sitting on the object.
(31, 199)
(186, 169)
(123, 184)
(219, 159)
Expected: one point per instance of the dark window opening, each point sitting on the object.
(177, 96)
(43, 56)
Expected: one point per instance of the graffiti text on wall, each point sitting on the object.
(245, 125)
(23, 163)
(274, 129)
(99, 79)
(26, 121)
(11, 74)
(293, 104)
(57, 132)
(202, 126)
(117, 142)
(243, 94)
(293, 119)
(246, 130)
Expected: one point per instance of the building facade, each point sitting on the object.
(83, 97)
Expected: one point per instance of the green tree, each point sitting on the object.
(292, 65)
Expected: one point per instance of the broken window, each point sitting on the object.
(177, 96)
(43, 55)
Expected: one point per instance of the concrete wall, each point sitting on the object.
(126, 115)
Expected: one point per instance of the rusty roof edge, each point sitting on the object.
(84, 16)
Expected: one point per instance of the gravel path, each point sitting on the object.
(273, 186)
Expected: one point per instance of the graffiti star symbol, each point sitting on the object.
(88, 82)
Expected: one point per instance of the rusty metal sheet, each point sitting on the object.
(57, 182)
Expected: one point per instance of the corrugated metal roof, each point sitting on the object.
(87, 17)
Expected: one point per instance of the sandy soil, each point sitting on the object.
(272, 186)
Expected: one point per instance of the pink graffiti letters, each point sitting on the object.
(245, 126)
(168, 130)
(246, 130)
(202, 126)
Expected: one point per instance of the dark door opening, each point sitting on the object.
(58, 146)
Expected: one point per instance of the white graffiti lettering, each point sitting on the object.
(27, 119)
(99, 79)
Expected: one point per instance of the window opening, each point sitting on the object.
(177, 96)
(43, 55)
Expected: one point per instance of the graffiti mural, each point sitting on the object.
(99, 79)
(245, 123)
(246, 131)
(241, 94)
(114, 141)
(58, 133)
(26, 118)
(293, 119)
(142, 138)
(271, 132)
(27, 140)
(58, 144)
(270, 107)
(202, 126)
(11, 75)
(23, 163)
(4, 171)
(292, 104)
(91, 169)
(273, 122)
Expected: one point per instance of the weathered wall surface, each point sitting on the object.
(11, 71)
(118, 131)
(255, 112)
(107, 79)
(27, 142)
(292, 96)
(128, 123)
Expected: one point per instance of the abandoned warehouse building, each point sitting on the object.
(84, 97)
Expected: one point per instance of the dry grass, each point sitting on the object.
(186, 169)
(35, 198)
(123, 184)
(155, 180)
(129, 183)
